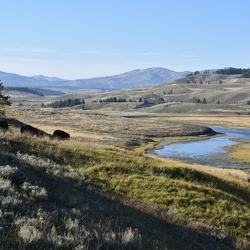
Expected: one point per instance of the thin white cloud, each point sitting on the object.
(101, 53)
(20, 60)
(43, 51)
(190, 56)
(154, 54)
(27, 50)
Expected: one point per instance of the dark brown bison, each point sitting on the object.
(60, 134)
(4, 126)
(28, 129)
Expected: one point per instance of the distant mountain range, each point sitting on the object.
(131, 79)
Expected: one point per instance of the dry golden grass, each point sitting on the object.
(222, 172)
(74, 132)
(109, 128)
(240, 152)
(226, 172)
(215, 120)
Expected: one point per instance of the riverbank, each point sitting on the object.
(171, 140)
(240, 152)
(206, 150)
(240, 174)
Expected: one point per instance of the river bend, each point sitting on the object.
(208, 151)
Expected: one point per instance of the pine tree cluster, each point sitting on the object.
(66, 103)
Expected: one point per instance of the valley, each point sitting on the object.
(103, 178)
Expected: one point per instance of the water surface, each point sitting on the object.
(209, 151)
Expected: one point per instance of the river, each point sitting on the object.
(209, 151)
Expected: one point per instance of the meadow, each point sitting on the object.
(102, 191)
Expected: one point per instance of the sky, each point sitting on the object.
(78, 39)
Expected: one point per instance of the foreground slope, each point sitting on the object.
(77, 195)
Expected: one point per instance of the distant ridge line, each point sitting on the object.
(130, 79)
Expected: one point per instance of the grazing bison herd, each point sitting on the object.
(30, 130)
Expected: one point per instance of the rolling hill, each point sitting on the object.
(200, 94)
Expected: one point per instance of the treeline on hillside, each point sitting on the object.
(66, 103)
(245, 73)
(48, 92)
(198, 73)
(35, 91)
(114, 99)
(120, 99)
(24, 89)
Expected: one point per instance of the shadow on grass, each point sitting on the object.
(104, 220)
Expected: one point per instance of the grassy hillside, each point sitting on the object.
(85, 196)
(222, 93)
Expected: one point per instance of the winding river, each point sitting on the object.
(209, 151)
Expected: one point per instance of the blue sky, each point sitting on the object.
(76, 39)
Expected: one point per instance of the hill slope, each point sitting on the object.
(54, 203)
(194, 94)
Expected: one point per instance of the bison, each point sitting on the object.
(60, 134)
(28, 129)
(4, 126)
